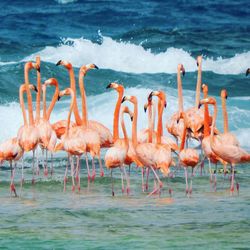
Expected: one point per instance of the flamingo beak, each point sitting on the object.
(38, 69)
(95, 67)
(183, 72)
(131, 117)
(248, 71)
(199, 105)
(59, 62)
(109, 86)
(145, 108)
(165, 104)
(150, 95)
(58, 98)
(35, 88)
(124, 99)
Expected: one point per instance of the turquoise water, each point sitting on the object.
(140, 49)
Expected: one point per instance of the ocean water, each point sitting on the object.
(139, 44)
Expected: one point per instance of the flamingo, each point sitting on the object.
(211, 156)
(147, 153)
(73, 141)
(104, 132)
(224, 148)
(117, 154)
(188, 157)
(46, 132)
(28, 136)
(194, 115)
(10, 149)
(176, 128)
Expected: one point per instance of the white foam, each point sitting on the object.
(128, 57)
(66, 1)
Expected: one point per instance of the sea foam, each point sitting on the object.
(128, 57)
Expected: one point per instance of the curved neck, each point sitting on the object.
(84, 101)
(123, 127)
(44, 103)
(70, 112)
(224, 112)
(21, 100)
(29, 97)
(116, 115)
(183, 139)
(159, 124)
(150, 123)
(38, 95)
(213, 124)
(180, 97)
(206, 117)
(53, 101)
(73, 87)
(198, 87)
(134, 125)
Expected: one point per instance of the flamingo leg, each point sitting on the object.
(112, 183)
(142, 179)
(127, 179)
(191, 183)
(159, 182)
(215, 177)
(51, 164)
(101, 167)
(87, 165)
(45, 170)
(72, 174)
(147, 173)
(12, 186)
(33, 165)
(122, 180)
(232, 180)
(37, 162)
(210, 173)
(93, 169)
(22, 176)
(65, 175)
(79, 173)
(186, 179)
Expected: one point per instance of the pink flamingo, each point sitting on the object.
(188, 157)
(117, 154)
(224, 148)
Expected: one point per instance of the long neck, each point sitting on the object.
(123, 127)
(21, 90)
(183, 139)
(225, 117)
(198, 87)
(29, 97)
(73, 87)
(84, 101)
(180, 97)
(150, 123)
(213, 124)
(53, 101)
(70, 112)
(44, 103)
(206, 117)
(159, 125)
(116, 116)
(134, 125)
(38, 95)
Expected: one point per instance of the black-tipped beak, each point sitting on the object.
(165, 104)
(35, 88)
(226, 96)
(248, 71)
(145, 109)
(123, 99)
(199, 106)
(109, 86)
(58, 98)
(59, 62)
(96, 67)
(150, 95)
(183, 72)
(197, 64)
(131, 117)
(38, 69)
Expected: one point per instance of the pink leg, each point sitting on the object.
(191, 183)
(127, 180)
(33, 163)
(147, 173)
(72, 174)
(45, 171)
(22, 176)
(12, 185)
(159, 182)
(232, 180)
(87, 165)
(122, 180)
(79, 174)
(112, 183)
(51, 165)
(186, 178)
(142, 179)
(93, 169)
(65, 175)
(101, 167)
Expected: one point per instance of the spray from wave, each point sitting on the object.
(128, 57)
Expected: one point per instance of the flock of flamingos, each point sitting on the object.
(148, 149)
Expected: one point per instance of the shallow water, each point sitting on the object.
(43, 216)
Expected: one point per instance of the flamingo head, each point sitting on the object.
(129, 98)
(125, 109)
(51, 81)
(223, 93)
(209, 100)
(161, 95)
(85, 68)
(33, 87)
(30, 65)
(118, 87)
(67, 91)
(248, 72)
(66, 64)
(198, 61)
(181, 69)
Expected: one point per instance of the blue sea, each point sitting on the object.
(138, 44)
